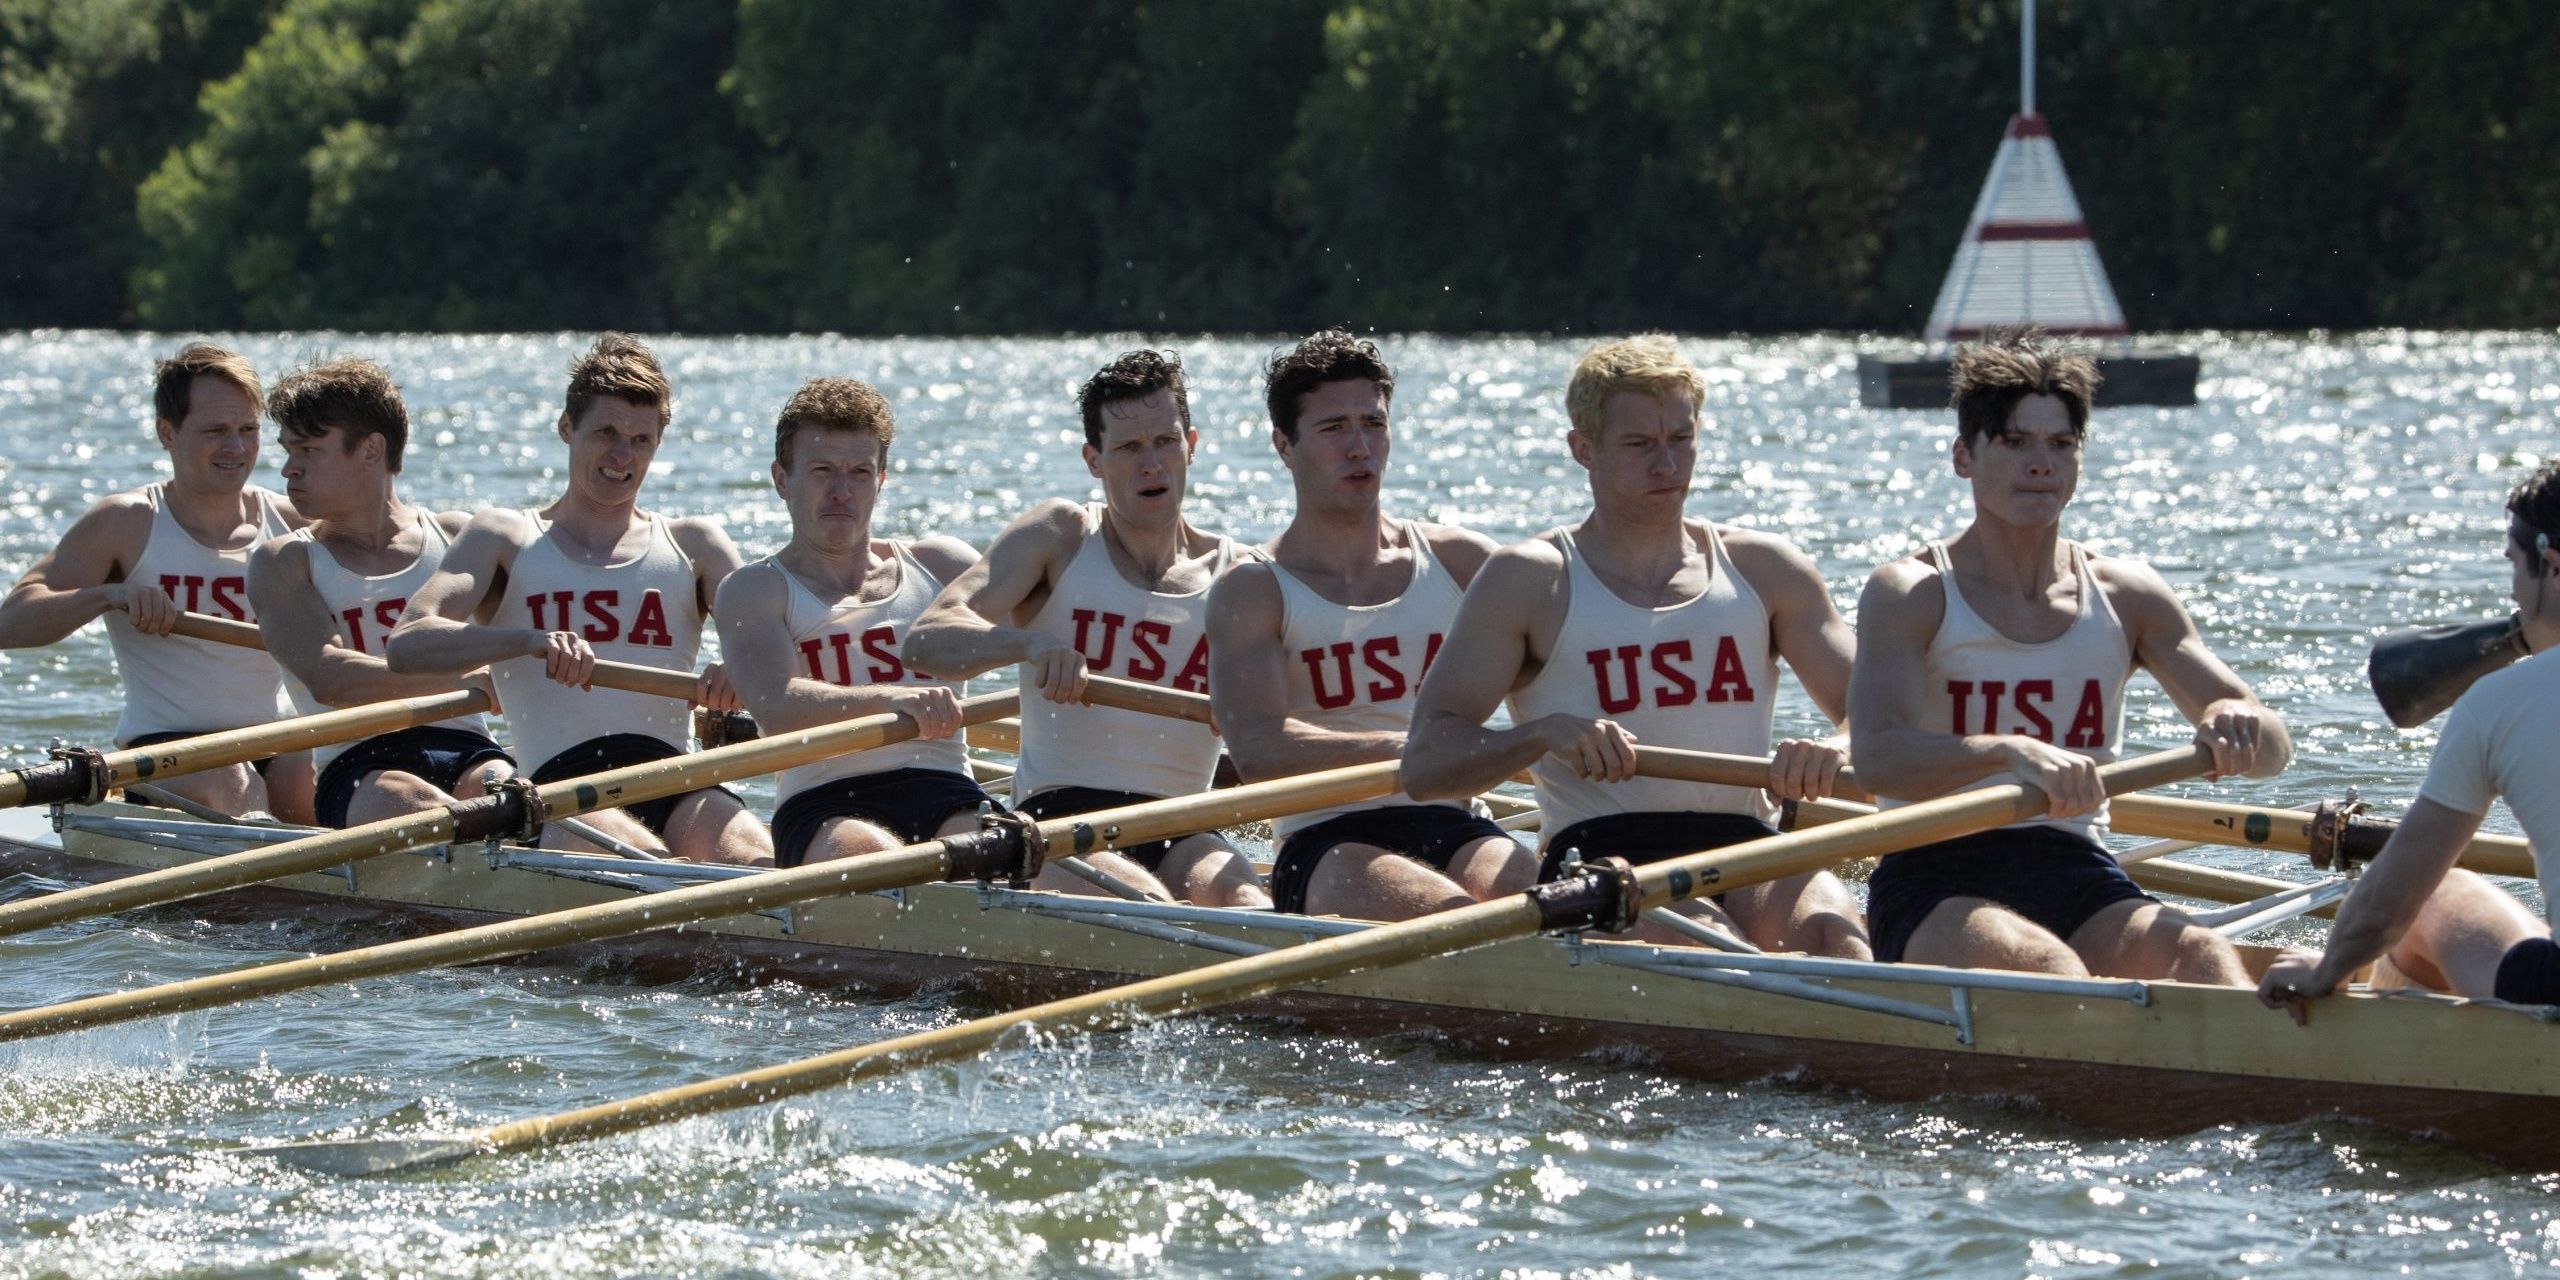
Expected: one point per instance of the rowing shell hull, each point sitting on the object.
(2484, 1076)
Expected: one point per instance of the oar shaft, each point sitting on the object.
(50, 783)
(2258, 827)
(1482, 924)
(478, 819)
(628, 676)
(914, 864)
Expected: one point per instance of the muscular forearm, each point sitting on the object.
(443, 647)
(32, 618)
(1452, 759)
(1296, 748)
(807, 704)
(1915, 764)
(346, 679)
(958, 650)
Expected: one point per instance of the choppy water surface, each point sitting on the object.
(2327, 488)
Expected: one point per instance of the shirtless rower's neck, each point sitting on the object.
(212, 452)
(2022, 478)
(831, 489)
(1337, 464)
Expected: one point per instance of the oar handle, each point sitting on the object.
(1154, 699)
(627, 676)
(1682, 765)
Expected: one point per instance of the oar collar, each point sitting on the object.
(1005, 844)
(1602, 896)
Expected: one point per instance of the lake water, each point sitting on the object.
(2326, 489)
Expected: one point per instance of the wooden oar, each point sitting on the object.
(977, 854)
(2332, 837)
(83, 777)
(512, 810)
(1597, 899)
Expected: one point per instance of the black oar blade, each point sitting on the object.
(372, 1157)
(2418, 672)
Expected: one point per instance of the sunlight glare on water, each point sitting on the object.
(2329, 488)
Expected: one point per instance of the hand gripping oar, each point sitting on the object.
(82, 776)
(517, 808)
(1009, 849)
(1604, 897)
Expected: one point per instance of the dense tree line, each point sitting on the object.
(1023, 165)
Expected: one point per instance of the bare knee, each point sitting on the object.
(1974, 934)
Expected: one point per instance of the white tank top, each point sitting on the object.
(1132, 633)
(2068, 691)
(366, 609)
(1700, 675)
(179, 683)
(854, 642)
(1356, 668)
(642, 610)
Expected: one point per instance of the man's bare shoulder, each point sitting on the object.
(1448, 538)
(505, 523)
(290, 553)
(2133, 586)
(699, 534)
(283, 506)
(1248, 588)
(944, 555)
(1538, 559)
(755, 590)
(1760, 553)
(1907, 577)
(451, 523)
(1052, 527)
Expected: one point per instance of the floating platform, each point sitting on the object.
(2140, 378)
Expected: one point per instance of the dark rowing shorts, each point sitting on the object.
(2530, 973)
(1649, 837)
(1068, 802)
(910, 804)
(441, 754)
(621, 751)
(260, 764)
(1430, 834)
(2057, 879)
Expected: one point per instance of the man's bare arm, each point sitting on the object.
(1463, 552)
(1815, 641)
(299, 633)
(437, 636)
(972, 627)
(2386, 900)
(753, 617)
(1452, 753)
(77, 580)
(1249, 688)
(2246, 737)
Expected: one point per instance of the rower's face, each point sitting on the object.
(1342, 440)
(216, 445)
(2026, 474)
(832, 486)
(325, 479)
(1144, 461)
(1645, 453)
(610, 448)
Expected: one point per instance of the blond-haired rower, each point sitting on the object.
(142, 556)
(1643, 624)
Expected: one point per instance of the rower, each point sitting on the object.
(142, 556)
(2002, 654)
(327, 596)
(593, 576)
(816, 632)
(1118, 588)
(1640, 624)
(2444, 927)
(1315, 655)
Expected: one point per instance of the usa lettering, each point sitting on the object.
(386, 615)
(601, 617)
(1373, 670)
(843, 658)
(1146, 656)
(2026, 705)
(222, 597)
(1666, 675)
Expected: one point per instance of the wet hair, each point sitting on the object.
(1331, 356)
(353, 397)
(174, 379)
(1134, 376)
(1648, 364)
(1990, 377)
(2533, 508)
(620, 366)
(833, 404)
